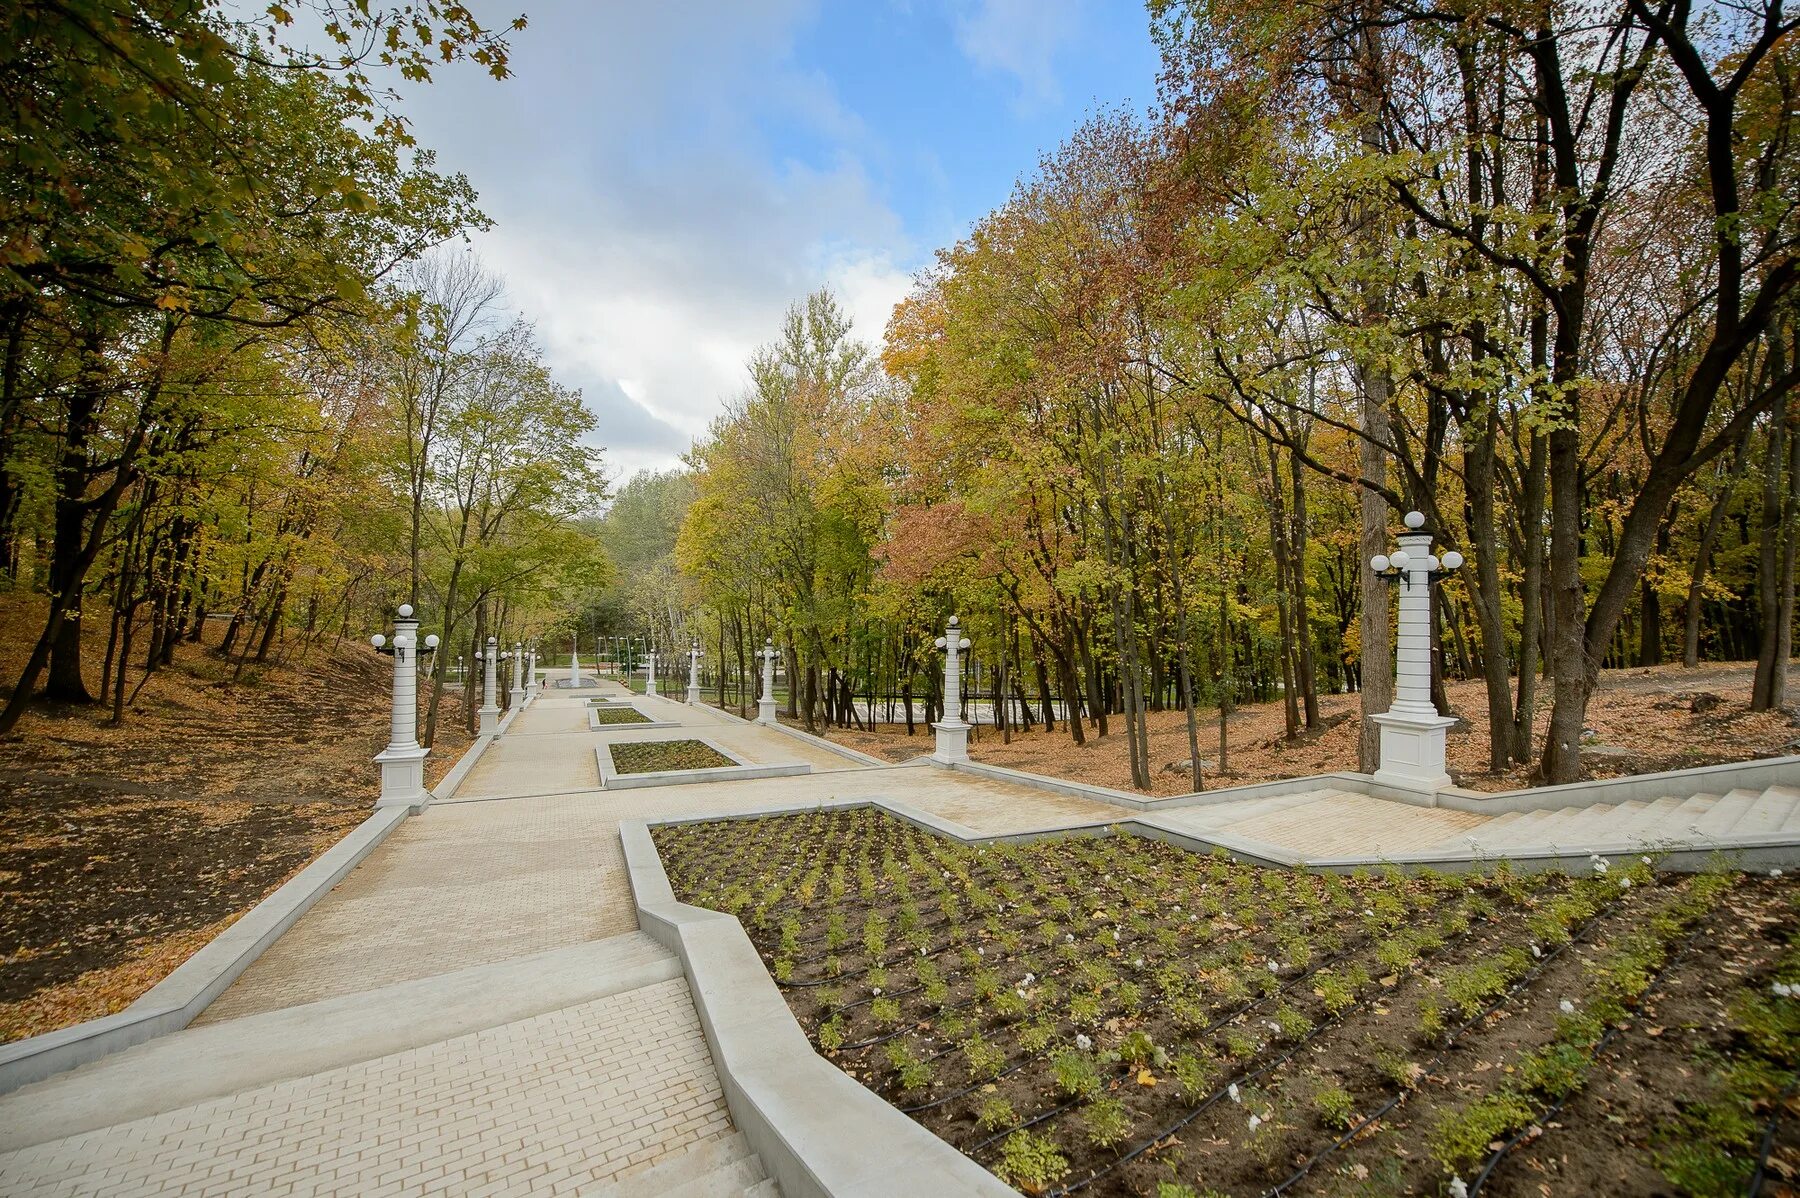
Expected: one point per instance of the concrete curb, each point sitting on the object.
(819, 1133)
(176, 1000)
(649, 721)
(819, 742)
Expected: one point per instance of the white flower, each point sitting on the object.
(1255, 1122)
(1783, 990)
(1115, 935)
(1645, 860)
(1624, 883)
(1568, 1008)
(1601, 867)
(1139, 963)
(1231, 1092)
(1020, 991)
(1458, 1188)
(1774, 873)
(1273, 967)
(1069, 938)
(1083, 1042)
(1193, 918)
(1029, 978)
(1369, 911)
(981, 952)
(1271, 1025)
(1536, 951)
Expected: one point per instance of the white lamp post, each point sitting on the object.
(765, 704)
(531, 682)
(490, 708)
(517, 696)
(693, 689)
(1412, 731)
(650, 671)
(403, 761)
(952, 732)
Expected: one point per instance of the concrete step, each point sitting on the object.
(728, 1181)
(766, 1188)
(1546, 830)
(721, 1167)
(1724, 815)
(1770, 813)
(1502, 831)
(1682, 823)
(1223, 815)
(1650, 817)
(1602, 821)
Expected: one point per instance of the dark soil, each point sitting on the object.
(655, 756)
(619, 715)
(1644, 720)
(1110, 1016)
(124, 849)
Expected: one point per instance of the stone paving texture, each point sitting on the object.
(525, 859)
(552, 1104)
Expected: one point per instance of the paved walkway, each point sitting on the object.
(525, 864)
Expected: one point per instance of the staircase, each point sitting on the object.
(1700, 821)
(722, 1168)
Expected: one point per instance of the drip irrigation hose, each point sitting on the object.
(1244, 1078)
(1768, 1142)
(1210, 1028)
(1312, 1162)
(1499, 1154)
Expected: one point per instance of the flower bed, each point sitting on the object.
(1117, 1016)
(618, 715)
(656, 756)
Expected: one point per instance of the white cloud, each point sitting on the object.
(1020, 38)
(643, 220)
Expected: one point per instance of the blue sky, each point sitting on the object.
(666, 178)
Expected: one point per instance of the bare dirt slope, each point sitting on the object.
(1644, 720)
(124, 849)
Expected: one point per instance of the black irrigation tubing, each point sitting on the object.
(1380, 1112)
(1768, 1141)
(1057, 972)
(1208, 1030)
(1499, 1154)
(1242, 1079)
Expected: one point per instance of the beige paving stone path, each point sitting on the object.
(525, 859)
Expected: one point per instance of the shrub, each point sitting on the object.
(1335, 1106)
(1031, 1162)
(1106, 1121)
(985, 1060)
(996, 1113)
(1136, 1049)
(1076, 1075)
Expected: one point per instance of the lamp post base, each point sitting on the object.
(952, 741)
(693, 696)
(1412, 751)
(403, 778)
(765, 711)
(490, 721)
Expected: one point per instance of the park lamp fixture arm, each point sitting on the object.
(1398, 565)
(403, 641)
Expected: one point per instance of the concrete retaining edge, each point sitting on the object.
(175, 1001)
(819, 1133)
(178, 999)
(611, 779)
(819, 742)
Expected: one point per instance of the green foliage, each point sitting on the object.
(1030, 1161)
